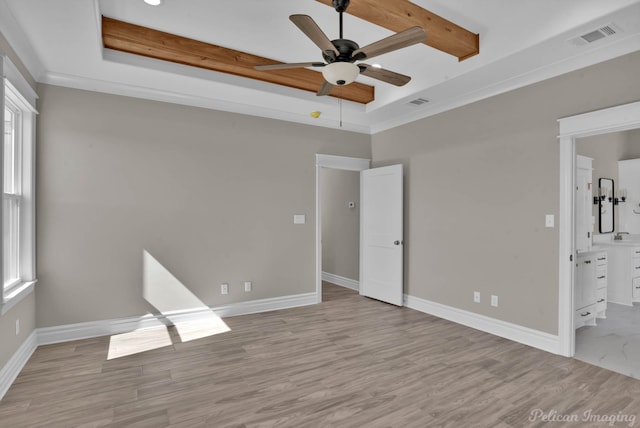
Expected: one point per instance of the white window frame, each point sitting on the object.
(22, 97)
(14, 195)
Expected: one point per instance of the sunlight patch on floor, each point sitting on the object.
(135, 342)
(201, 328)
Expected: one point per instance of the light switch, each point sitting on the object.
(549, 220)
(299, 219)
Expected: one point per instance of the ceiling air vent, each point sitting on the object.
(595, 35)
(418, 101)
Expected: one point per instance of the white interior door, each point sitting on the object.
(381, 254)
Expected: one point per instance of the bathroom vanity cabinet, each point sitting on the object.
(590, 292)
(624, 280)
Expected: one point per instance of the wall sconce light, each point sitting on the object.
(622, 197)
(602, 195)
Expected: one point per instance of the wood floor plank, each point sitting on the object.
(348, 362)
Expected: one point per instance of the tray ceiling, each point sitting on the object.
(519, 43)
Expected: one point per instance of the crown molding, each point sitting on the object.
(154, 94)
(566, 65)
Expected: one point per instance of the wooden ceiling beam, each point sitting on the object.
(138, 40)
(398, 15)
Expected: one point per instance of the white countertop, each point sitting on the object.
(622, 243)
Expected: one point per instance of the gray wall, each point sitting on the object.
(479, 181)
(340, 224)
(24, 310)
(210, 196)
(631, 147)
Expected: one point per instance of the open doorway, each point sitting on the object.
(340, 217)
(614, 119)
(338, 185)
(611, 337)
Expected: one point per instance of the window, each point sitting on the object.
(18, 244)
(12, 196)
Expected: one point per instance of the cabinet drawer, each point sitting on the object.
(586, 315)
(601, 259)
(601, 276)
(601, 302)
(635, 265)
(636, 288)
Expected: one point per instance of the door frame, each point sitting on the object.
(330, 162)
(620, 118)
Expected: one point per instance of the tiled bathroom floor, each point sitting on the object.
(613, 344)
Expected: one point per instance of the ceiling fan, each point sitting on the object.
(341, 54)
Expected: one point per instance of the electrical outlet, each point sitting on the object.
(18, 326)
(494, 301)
(476, 296)
(224, 288)
(247, 286)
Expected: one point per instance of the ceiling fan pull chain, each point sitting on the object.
(340, 102)
(341, 26)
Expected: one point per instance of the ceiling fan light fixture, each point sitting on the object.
(153, 2)
(340, 73)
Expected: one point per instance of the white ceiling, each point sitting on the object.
(521, 42)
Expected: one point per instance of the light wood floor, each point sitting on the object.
(349, 362)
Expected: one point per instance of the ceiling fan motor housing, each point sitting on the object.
(345, 47)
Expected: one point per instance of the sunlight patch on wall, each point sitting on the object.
(164, 291)
(176, 303)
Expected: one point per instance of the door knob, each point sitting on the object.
(396, 242)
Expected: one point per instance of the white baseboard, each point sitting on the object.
(85, 330)
(535, 338)
(341, 281)
(266, 305)
(10, 371)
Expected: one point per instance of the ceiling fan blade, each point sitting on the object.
(325, 89)
(384, 75)
(399, 40)
(268, 67)
(311, 29)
